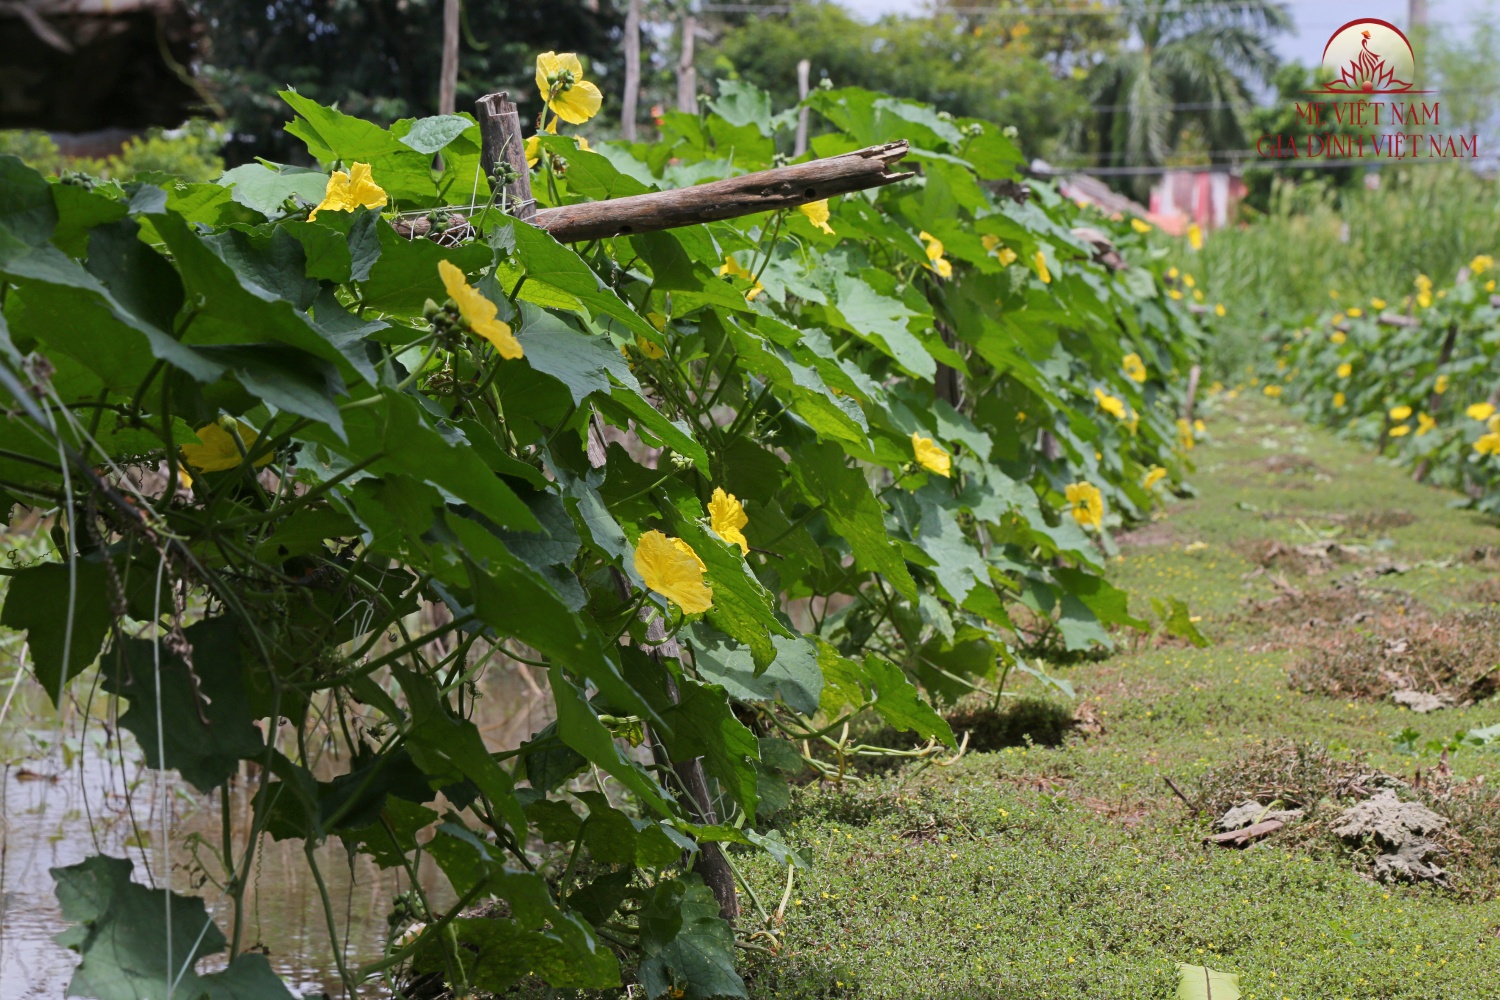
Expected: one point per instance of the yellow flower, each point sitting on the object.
(1134, 367)
(653, 351)
(1424, 424)
(1174, 295)
(1400, 430)
(817, 214)
(1172, 273)
(1356, 312)
(1423, 283)
(346, 192)
(1197, 295)
(1109, 404)
(1489, 286)
(559, 78)
(1185, 434)
(992, 244)
(1219, 310)
(1337, 319)
(726, 515)
(1199, 427)
(939, 264)
(1338, 400)
(1441, 385)
(733, 269)
(672, 569)
(1424, 299)
(1400, 412)
(1333, 293)
(1338, 336)
(1154, 475)
(1344, 370)
(1489, 444)
(1272, 390)
(479, 312)
(1377, 303)
(1088, 504)
(1187, 279)
(1195, 236)
(1140, 225)
(931, 456)
(1480, 411)
(533, 150)
(218, 451)
(1041, 268)
(1481, 264)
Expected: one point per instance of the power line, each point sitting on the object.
(1048, 11)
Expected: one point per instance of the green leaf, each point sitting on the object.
(406, 275)
(549, 263)
(702, 724)
(897, 701)
(578, 724)
(263, 188)
(883, 322)
(1195, 982)
(742, 607)
(793, 675)
(404, 173)
(38, 600)
(1177, 620)
(27, 209)
(1109, 604)
(197, 718)
(852, 512)
(78, 211)
(688, 947)
(431, 135)
(584, 364)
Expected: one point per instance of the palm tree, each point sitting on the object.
(1188, 68)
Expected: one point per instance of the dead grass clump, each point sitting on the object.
(1486, 591)
(1311, 559)
(1376, 522)
(1453, 657)
(1291, 612)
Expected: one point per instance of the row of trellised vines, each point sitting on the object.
(730, 486)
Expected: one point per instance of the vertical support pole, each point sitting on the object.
(448, 82)
(804, 70)
(687, 73)
(500, 135)
(632, 92)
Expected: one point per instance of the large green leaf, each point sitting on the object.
(852, 512)
(1196, 982)
(41, 599)
(688, 947)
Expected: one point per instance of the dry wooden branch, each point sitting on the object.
(1239, 838)
(1396, 319)
(763, 191)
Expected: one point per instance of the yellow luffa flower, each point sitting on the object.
(734, 270)
(1219, 310)
(1272, 390)
(1344, 370)
(1489, 444)
(1185, 434)
(1480, 411)
(726, 515)
(1481, 264)
(1109, 404)
(1088, 504)
(1355, 312)
(1134, 367)
(1338, 401)
(1140, 226)
(1190, 281)
(1425, 424)
(217, 450)
(1195, 237)
(672, 569)
(1003, 253)
(479, 312)
(1337, 319)
(1441, 385)
(1338, 336)
(939, 264)
(1400, 412)
(1377, 303)
(653, 351)
(1424, 291)
(1154, 475)
(346, 192)
(1400, 430)
(1041, 268)
(1174, 295)
(817, 214)
(931, 456)
(559, 78)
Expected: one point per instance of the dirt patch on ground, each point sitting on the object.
(1310, 559)
(1147, 535)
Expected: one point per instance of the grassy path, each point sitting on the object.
(1073, 871)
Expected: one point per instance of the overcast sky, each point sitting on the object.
(1315, 20)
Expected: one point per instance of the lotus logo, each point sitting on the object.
(1367, 57)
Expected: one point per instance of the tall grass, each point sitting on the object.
(1361, 243)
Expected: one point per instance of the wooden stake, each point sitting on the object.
(448, 79)
(500, 134)
(687, 73)
(632, 91)
(804, 71)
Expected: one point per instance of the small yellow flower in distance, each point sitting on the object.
(479, 312)
(1424, 299)
(1272, 390)
(1199, 427)
(1489, 286)
(1195, 236)
(1174, 295)
(672, 569)
(1377, 303)
(1337, 319)
(817, 214)
(726, 515)
(1172, 273)
(1154, 475)
(931, 456)
(1424, 424)
(733, 269)
(217, 450)
(346, 192)
(1441, 385)
(1480, 411)
(1400, 430)
(1134, 367)
(1041, 268)
(939, 264)
(1338, 336)
(1400, 412)
(1344, 370)
(943, 267)
(1185, 434)
(1140, 225)
(653, 351)
(1338, 400)
(1110, 404)
(559, 79)
(990, 242)
(1190, 281)
(1333, 293)
(1481, 264)
(1355, 312)
(1088, 504)
(1197, 295)
(1219, 310)
(1489, 444)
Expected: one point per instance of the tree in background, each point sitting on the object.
(1189, 69)
(961, 67)
(1292, 83)
(1464, 62)
(380, 58)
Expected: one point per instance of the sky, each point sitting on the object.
(1315, 20)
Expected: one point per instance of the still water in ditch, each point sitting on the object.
(70, 792)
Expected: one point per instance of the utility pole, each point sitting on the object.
(632, 71)
(448, 82)
(1416, 14)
